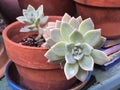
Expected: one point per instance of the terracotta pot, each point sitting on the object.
(105, 14)
(51, 7)
(31, 57)
(10, 10)
(35, 72)
(12, 77)
(44, 79)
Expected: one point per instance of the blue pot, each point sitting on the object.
(9, 71)
(13, 79)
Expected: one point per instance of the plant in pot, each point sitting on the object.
(102, 14)
(75, 47)
(33, 67)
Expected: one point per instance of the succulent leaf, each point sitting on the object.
(30, 13)
(52, 56)
(39, 11)
(70, 70)
(78, 57)
(81, 75)
(55, 35)
(50, 41)
(47, 32)
(23, 20)
(100, 43)
(65, 31)
(58, 24)
(69, 47)
(25, 15)
(69, 58)
(76, 37)
(60, 61)
(59, 48)
(66, 18)
(26, 29)
(86, 48)
(24, 11)
(92, 37)
(43, 20)
(86, 63)
(99, 57)
(74, 23)
(30, 8)
(86, 25)
(79, 19)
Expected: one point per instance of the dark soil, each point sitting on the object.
(30, 41)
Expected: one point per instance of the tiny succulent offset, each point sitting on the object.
(75, 46)
(34, 18)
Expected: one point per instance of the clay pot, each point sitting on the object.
(13, 78)
(51, 7)
(105, 15)
(31, 57)
(34, 70)
(44, 79)
(10, 10)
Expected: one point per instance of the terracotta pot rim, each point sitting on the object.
(99, 3)
(4, 34)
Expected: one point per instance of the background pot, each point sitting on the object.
(51, 7)
(10, 10)
(105, 15)
(34, 70)
(3, 54)
(3, 59)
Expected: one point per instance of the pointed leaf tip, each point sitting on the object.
(92, 37)
(87, 63)
(55, 35)
(65, 31)
(76, 37)
(86, 25)
(52, 56)
(59, 48)
(99, 57)
(66, 18)
(82, 75)
(70, 70)
(69, 58)
(74, 23)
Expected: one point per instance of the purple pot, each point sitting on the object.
(10, 10)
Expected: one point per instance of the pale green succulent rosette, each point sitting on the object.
(34, 18)
(31, 16)
(75, 48)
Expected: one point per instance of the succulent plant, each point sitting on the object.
(75, 46)
(34, 18)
